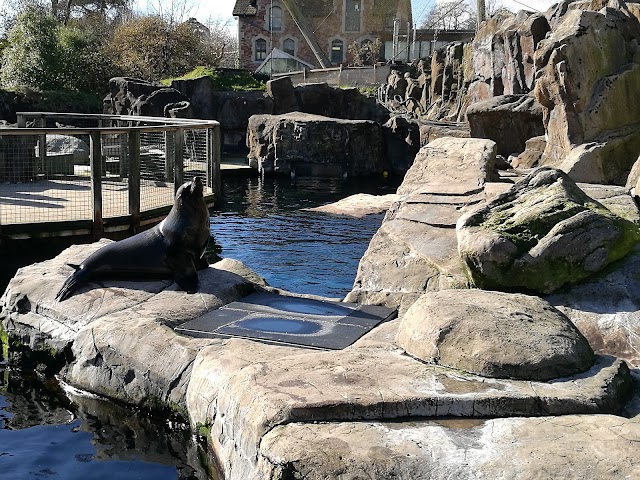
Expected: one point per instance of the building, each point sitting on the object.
(316, 32)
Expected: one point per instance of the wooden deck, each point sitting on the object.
(63, 207)
(52, 208)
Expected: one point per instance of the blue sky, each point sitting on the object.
(202, 10)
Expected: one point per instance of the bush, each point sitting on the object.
(32, 58)
(43, 55)
(227, 79)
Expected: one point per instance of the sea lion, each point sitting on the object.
(174, 248)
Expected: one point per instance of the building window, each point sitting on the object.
(275, 19)
(289, 46)
(337, 51)
(352, 9)
(260, 50)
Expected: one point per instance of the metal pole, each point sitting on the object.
(408, 40)
(396, 27)
(482, 12)
(413, 44)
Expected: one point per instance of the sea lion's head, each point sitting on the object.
(190, 191)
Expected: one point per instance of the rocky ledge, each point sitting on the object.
(273, 411)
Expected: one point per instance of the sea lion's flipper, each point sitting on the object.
(202, 262)
(184, 272)
(77, 278)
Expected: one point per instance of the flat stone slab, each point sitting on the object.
(273, 318)
(359, 205)
(542, 448)
(366, 383)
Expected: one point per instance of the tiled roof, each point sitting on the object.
(245, 7)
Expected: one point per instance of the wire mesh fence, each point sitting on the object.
(65, 168)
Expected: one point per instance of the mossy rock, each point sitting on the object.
(542, 234)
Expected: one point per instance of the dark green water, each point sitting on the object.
(47, 433)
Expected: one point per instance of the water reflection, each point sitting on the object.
(45, 432)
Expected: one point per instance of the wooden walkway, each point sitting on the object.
(63, 207)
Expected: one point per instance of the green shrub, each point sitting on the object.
(227, 79)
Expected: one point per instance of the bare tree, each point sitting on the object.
(451, 15)
(171, 11)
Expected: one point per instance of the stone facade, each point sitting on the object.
(332, 25)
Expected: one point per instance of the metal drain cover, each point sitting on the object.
(273, 318)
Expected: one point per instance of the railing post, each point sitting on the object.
(133, 150)
(169, 155)
(42, 146)
(178, 149)
(95, 162)
(215, 149)
(123, 155)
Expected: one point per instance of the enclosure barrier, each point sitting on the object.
(67, 174)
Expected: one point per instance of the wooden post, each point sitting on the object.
(169, 155)
(133, 149)
(178, 148)
(95, 161)
(42, 146)
(215, 157)
(123, 154)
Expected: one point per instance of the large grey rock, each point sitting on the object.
(606, 309)
(314, 145)
(542, 234)
(363, 383)
(533, 150)
(633, 180)
(282, 91)
(542, 448)
(414, 250)
(494, 334)
(429, 131)
(155, 104)
(588, 70)
(359, 205)
(503, 51)
(508, 120)
(402, 142)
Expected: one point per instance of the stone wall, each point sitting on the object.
(325, 27)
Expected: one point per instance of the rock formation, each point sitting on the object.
(588, 70)
(542, 234)
(491, 334)
(414, 250)
(304, 144)
(116, 340)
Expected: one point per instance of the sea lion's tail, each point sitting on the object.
(70, 283)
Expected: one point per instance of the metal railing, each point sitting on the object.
(72, 174)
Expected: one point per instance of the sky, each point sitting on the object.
(223, 8)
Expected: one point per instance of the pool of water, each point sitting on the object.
(49, 433)
(264, 225)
